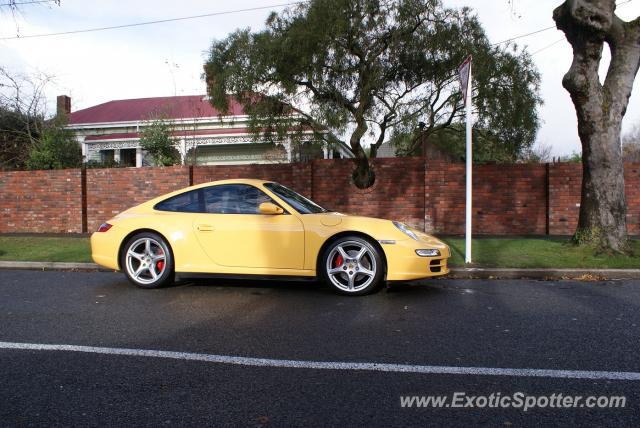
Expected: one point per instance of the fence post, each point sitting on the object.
(83, 196)
(311, 183)
(424, 193)
(547, 192)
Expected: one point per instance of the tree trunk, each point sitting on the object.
(602, 204)
(363, 175)
(588, 24)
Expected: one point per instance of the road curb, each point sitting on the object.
(51, 266)
(490, 273)
(464, 273)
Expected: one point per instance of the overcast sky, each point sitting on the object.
(166, 59)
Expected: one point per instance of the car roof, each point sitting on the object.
(252, 181)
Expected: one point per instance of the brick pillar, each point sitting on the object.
(63, 106)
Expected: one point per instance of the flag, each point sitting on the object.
(464, 71)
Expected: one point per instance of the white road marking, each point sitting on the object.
(327, 365)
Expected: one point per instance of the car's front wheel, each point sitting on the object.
(353, 266)
(147, 261)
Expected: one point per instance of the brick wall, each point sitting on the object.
(112, 190)
(565, 185)
(632, 190)
(296, 176)
(41, 201)
(508, 199)
(398, 193)
(565, 181)
(444, 190)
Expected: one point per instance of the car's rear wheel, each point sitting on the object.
(352, 265)
(147, 261)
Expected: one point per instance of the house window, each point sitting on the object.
(128, 157)
(106, 156)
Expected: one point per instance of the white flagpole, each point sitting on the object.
(467, 247)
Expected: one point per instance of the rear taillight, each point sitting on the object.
(104, 227)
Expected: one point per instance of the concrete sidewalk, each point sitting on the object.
(458, 272)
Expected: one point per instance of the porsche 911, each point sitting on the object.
(256, 228)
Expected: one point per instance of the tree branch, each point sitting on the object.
(327, 96)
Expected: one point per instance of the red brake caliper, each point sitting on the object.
(160, 263)
(339, 261)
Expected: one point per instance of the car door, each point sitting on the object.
(233, 233)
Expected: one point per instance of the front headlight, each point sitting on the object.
(405, 230)
(428, 253)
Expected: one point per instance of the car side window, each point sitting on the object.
(234, 199)
(188, 202)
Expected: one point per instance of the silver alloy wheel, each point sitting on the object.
(351, 266)
(145, 261)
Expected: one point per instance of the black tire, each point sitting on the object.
(154, 267)
(348, 271)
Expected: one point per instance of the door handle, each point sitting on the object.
(204, 228)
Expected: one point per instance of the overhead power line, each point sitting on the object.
(159, 21)
(542, 30)
(206, 15)
(18, 3)
(523, 35)
(550, 45)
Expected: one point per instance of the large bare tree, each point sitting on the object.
(22, 115)
(600, 107)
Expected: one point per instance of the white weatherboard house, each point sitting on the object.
(111, 131)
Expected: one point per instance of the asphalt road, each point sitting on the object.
(565, 325)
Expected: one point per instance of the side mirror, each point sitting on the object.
(269, 208)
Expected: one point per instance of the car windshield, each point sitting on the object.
(296, 200)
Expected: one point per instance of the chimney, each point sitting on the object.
(63, 106)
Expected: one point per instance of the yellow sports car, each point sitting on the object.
(255, 227)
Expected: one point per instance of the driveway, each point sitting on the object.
(254, 353)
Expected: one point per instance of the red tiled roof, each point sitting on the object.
(188, 106)
(218, 131)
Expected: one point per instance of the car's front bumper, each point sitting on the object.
(403, 264)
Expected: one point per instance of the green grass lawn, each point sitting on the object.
(489, 252)
(37, 249)
(538, 253)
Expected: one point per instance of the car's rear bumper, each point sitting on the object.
(105, 247)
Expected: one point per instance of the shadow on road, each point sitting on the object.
(312, 287)
(288, 287)
(271, 284)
